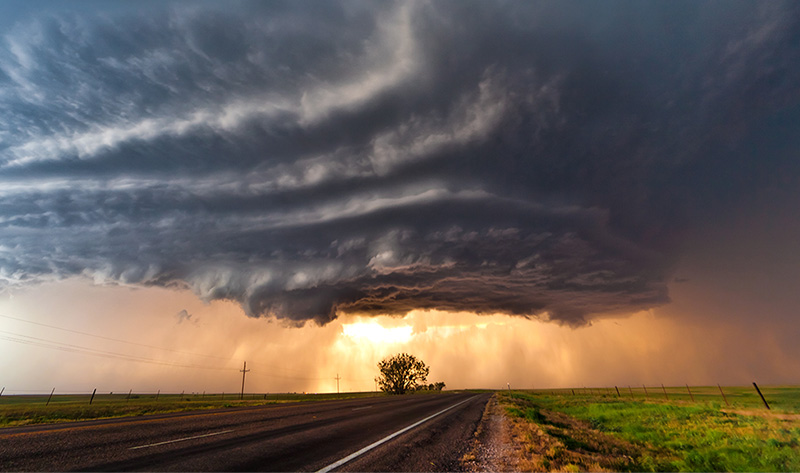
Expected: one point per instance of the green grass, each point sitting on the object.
(23, 410)
(679, 435)
(780, 398)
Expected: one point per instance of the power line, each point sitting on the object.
(115, 339)
(296, 378)
(56, 345)
(304, 378)
(102, 337)
(62, 346)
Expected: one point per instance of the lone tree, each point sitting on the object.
(401, 373)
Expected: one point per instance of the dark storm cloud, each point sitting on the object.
(533, 159)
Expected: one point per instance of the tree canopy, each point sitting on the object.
(401, 373)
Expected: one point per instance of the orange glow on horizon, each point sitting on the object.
(204, 349)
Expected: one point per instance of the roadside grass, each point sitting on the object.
(660, 435)
(552, 441)
(32, 409)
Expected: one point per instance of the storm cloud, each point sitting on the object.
(307, 159)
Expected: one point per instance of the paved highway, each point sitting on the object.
(350, 435)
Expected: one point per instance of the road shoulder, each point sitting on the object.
(494, 445)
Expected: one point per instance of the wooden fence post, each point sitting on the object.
(51, 397)
(723, 395)
(92, 398)
(690, 392)
(665, 391)
(759, 393)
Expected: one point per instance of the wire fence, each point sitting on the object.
(784, 398)
(57, 397)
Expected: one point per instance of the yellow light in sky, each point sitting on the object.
(376, 333)
(464, 350)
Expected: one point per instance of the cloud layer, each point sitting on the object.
(306, 159)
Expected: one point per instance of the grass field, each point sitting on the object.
(780, 398)
(32, 409)
(600, 430)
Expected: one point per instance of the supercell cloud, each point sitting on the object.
(308, 159)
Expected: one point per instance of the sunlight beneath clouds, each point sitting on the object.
(375, 333)
(189, 345)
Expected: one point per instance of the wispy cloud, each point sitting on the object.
(528, 159)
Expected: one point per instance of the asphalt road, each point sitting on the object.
(293, 437)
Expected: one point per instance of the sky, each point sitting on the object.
(543, 194)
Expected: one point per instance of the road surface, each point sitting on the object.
(289, 437)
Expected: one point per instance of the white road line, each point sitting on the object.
(386, 439)
(181, 440)
(360, 408)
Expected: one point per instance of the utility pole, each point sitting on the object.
(337, 378)
(244, 371)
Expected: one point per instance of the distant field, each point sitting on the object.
(780, 398)
(32, 409)
(597, 429)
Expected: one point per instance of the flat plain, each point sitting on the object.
(388, 433)
(618, 428)
(35, 409)
(601, 429)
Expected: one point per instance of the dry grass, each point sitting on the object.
(515, 435)
(599, 433)
(24, 410)
(552, 441)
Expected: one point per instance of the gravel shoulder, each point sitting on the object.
(552, 442)
(494, 446)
